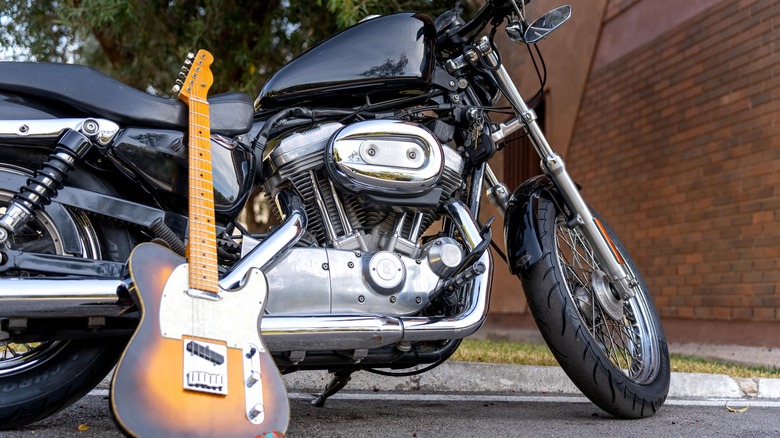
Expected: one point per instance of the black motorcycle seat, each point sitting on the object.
(98, 95)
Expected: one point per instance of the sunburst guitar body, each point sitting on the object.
(196, 365)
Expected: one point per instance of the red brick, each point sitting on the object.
(678, 145)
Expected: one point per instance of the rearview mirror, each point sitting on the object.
(544, 25)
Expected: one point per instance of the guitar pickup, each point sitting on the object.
(205, 367)
(205, 352)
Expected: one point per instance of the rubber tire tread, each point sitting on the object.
(572, 344)
(81, 365)
(59, 382)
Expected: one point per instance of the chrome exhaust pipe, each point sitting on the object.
(73, 297)
(352, 332)
(347, 332)
(275, 246)
(90, 297)
(62, 297)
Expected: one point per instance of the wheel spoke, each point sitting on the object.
(622, 340)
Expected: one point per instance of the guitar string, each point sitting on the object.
(201, 218)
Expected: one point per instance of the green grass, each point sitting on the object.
(515, 353)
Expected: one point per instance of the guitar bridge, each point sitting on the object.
(205, 367)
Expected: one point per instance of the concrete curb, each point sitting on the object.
(513, 379)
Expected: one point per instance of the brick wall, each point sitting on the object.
(616, 7)
(677, 144)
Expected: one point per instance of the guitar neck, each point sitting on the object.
(202, 245)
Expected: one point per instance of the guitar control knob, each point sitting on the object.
(256, 411)
(253, 378)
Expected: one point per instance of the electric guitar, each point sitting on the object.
(196, 365)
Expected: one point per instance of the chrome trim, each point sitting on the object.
(497, 192)
(554, 166)
(385, 157)
(30, 297)
(506, 129)
(282, 333)
(471, 319)
(273, 247)
(51, 129)
(330, 332)
(346, 332)
(330, 230)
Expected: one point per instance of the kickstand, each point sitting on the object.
(336, 384)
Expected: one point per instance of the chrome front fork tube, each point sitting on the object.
(554, 167)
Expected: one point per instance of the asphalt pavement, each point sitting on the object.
(456, 377)
(518, 379)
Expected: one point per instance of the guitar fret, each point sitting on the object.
(202, 251)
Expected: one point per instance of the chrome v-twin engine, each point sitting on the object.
(370, 191)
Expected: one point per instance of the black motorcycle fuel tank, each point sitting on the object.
(157, 159)
(382, 58)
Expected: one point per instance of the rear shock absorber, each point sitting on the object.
(41, 188)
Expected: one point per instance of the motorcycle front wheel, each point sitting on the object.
(614, 351)
(38, 379)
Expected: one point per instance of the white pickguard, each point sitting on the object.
(233, 319)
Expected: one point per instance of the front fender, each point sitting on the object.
(521, 233)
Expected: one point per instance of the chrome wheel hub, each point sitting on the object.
(611, 304)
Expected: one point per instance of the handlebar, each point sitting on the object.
(492, 12)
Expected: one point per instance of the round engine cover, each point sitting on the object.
(385, 272)
(385, 157)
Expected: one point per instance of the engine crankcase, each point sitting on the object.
(329, 281)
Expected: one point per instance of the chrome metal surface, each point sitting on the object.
(497, 192)
(504, 130)
(556, 169)
(385, 157)
(60, 297)
(628, 341)
(253, 380)
(340, 208)
(299, 285)
(16, 358)
(385, 273)
(611, 304)
(51, 129)
(323, 209)
(514, 30)
(275, 245)
(444, 254)
(291, 148)
(544, 25)
(554, 166)
(330, 332)
(15, 217)
(291, 333)
(468, 321)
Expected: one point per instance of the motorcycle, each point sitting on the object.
(373, 149)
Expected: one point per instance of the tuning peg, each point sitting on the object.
(190, 56)
(183, 75)
(188, 61)
(176, 88)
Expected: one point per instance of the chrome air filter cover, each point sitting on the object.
(385, 157)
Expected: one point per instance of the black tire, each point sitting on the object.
(621, 364)
(39, 379)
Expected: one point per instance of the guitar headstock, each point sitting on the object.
(197, 77)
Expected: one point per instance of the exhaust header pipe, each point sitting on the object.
(89, 297)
